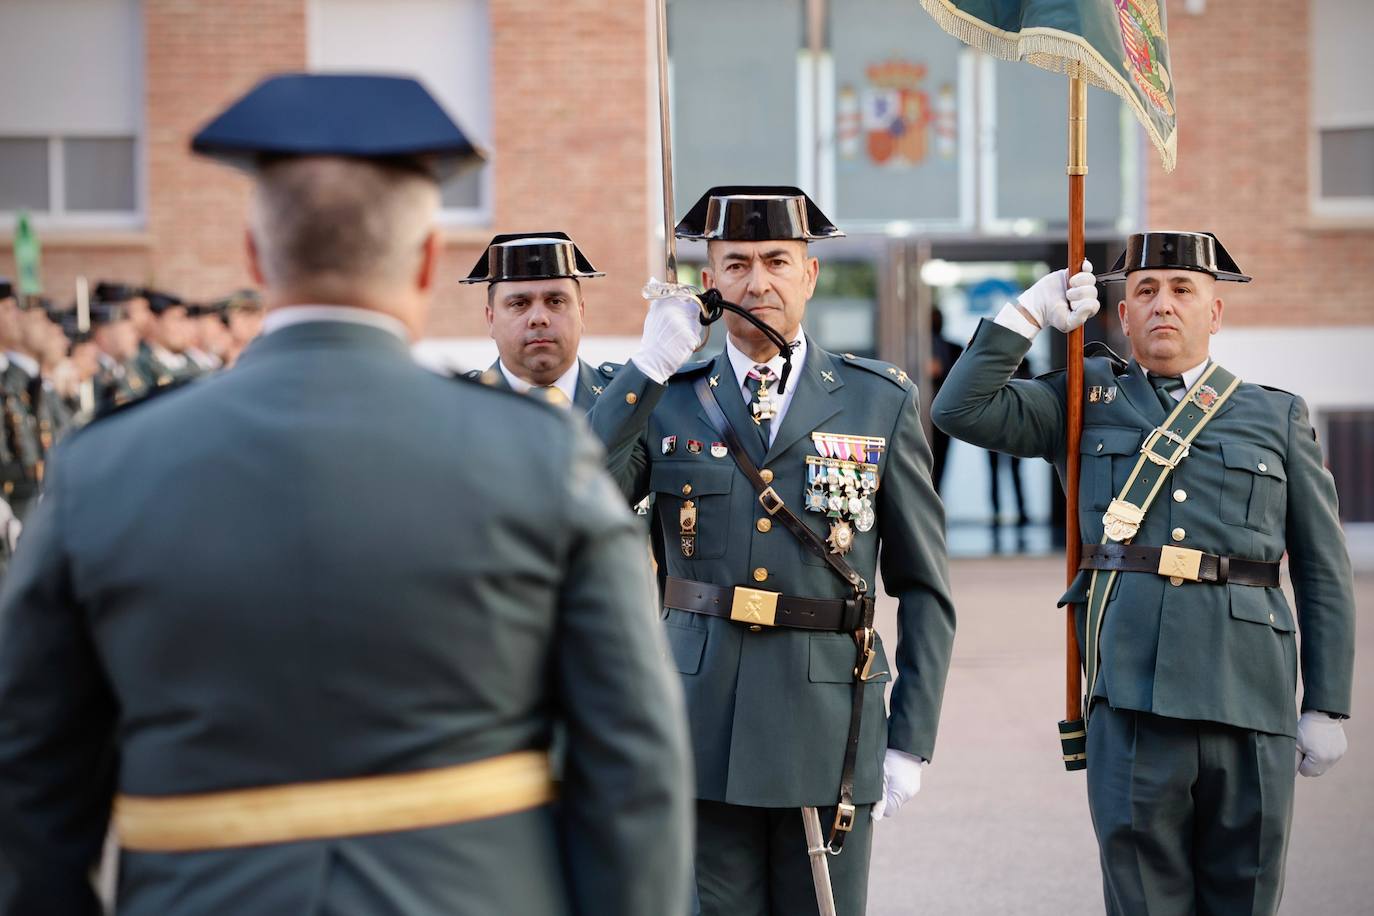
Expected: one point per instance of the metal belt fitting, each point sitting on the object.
(772, 503)
(1181, 452)
(754, 606)
(844, 821)
(1180, 563)
(867, 652)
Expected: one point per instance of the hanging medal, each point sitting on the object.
(687, 528)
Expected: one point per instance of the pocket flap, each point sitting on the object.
(706, 477)
(686, 645)
(833, 656)
(1257, 606)
(1243, 456)
(1110, 440)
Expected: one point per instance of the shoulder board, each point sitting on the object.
(486, 378)
(1097, 348)
(888, 371)
(1273, 389)
(150, 393)
(695, 366)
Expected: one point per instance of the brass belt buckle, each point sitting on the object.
(1180, 563)
(1180, 452)
(844, 818)
(754, 606)
(1122, 520)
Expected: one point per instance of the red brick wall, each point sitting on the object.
(569, 134)
(569, 138)
(1244, 83)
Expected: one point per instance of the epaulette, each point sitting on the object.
(489, 377)
(1097, 348)
(1275, 390)
(888, 371)
(150, 393)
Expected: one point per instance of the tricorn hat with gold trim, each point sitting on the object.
(1199, 251)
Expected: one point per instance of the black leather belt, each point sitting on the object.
(1180, 563)
(756, 607)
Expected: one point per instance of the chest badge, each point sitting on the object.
(669, 444)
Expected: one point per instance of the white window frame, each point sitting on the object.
(57, 217)
(449, 217)
(1358, 117)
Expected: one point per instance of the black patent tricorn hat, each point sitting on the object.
(531, 256)
(1199, 251)
(756, 213)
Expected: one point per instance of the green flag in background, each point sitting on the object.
(27, 254)
(1119, 45)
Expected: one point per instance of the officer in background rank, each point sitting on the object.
(536, 315)
(1191, 650)
(163, 359)
(361, 723)
(118, 380)
(775, 646)
(242, 314)
(24, 328)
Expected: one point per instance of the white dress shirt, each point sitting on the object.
(566, 383)
(1190, 378)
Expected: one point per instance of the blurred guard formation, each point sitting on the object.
(54, 376)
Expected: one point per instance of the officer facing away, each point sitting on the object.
(441, 572)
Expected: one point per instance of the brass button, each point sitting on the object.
(760, 574)
(1180, 496)
(686, 489)
(631, 398)
(767, 475)
(1262, 466)
(1175, 581)
(1179, 534)
(764, 524)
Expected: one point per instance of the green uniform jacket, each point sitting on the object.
(156, 374)
(331, 563)
(591, 381)
(23, 473)
(770, 710)
(1252, 487)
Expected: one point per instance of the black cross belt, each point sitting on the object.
(1181, 563)
(757, 607)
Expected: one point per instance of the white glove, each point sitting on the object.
(10, 527)
(901, 780)
(671, 333)
(1053, 302)
(1321, 742)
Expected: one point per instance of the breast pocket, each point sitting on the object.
(1107, 455)
(1254, 487)
(707, 487)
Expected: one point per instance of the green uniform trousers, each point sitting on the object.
(753, 862)
(1191, 817)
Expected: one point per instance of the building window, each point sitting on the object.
(1342, 108)
(444, 44)
(71, 112)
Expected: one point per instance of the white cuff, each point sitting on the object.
(650, 369)
(1011, 318)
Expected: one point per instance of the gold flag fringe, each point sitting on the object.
(1056, 51)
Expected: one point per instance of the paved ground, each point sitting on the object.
(1001, 828)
